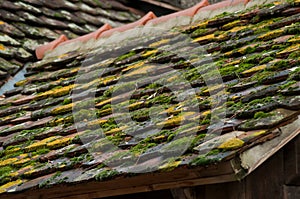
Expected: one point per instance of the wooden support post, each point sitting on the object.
(184, 193)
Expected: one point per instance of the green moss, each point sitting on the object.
(265, 100)
(125, 56)
(83, 114)
(266, 60)
(66, 101)
(106, 174)
(140, 115)
(5, 106)
(261, 114)
(41, 151)
(199, 32)
(203, 160)
(162, 99)
(288, 84)
(4, 173)
(252, 59)
(282, 64)
(294, 55)
(49, 180)
(196, 141)
(178, 144)
(142, 147)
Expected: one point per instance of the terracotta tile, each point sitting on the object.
(123, 28)
(40, 51)
(188, 12)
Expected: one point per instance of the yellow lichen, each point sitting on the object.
(210, 37)
(21, 83)
(213, 88)
(271, 34)
(8, 161)
(10, 151)
(2, 47)
(254, 69)
(22, 161)
(136, 105)
(200, 25)
(59, 121)
(206, 113)
(231, 144)
(173, 109)
(59, 143)
(41, 143)
(294, 40)
(115, 130)
(62, 109)
(107, 80)
(149, 53)
(6, 186)
(56, 92)
(176, 120)
(258, 133)
(170, 166)
(290, 49)
(231, 24)
(133, 66)
(140, 71)
(96, 122)
(235, 62)
(105, 102)
(244, 50)
(158, 43)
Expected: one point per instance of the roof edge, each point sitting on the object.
(264, 151)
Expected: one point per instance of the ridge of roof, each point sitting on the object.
(195, 14)
(148, 18)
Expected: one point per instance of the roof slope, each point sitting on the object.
(201, 95)
(26, 24)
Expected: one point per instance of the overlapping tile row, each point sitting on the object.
(24, 25)
(215, 88)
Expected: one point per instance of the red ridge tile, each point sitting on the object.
(93, 35)
(187, 12)
(40, 51)
(223, 4)
(149, 16)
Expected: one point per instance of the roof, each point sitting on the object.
(26, 24)
(147, 108)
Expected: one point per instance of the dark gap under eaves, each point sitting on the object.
(147, 7)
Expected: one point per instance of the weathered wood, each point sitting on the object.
(181, 177)
(184, 193)
(292, 162)
(232, 190)
(267, 181)
(291, 192)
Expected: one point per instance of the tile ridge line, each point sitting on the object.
(150, 18)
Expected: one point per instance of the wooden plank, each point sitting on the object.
(267, 181)
(292, 162)
(232, 190)
(181, 177)
(291, 192)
